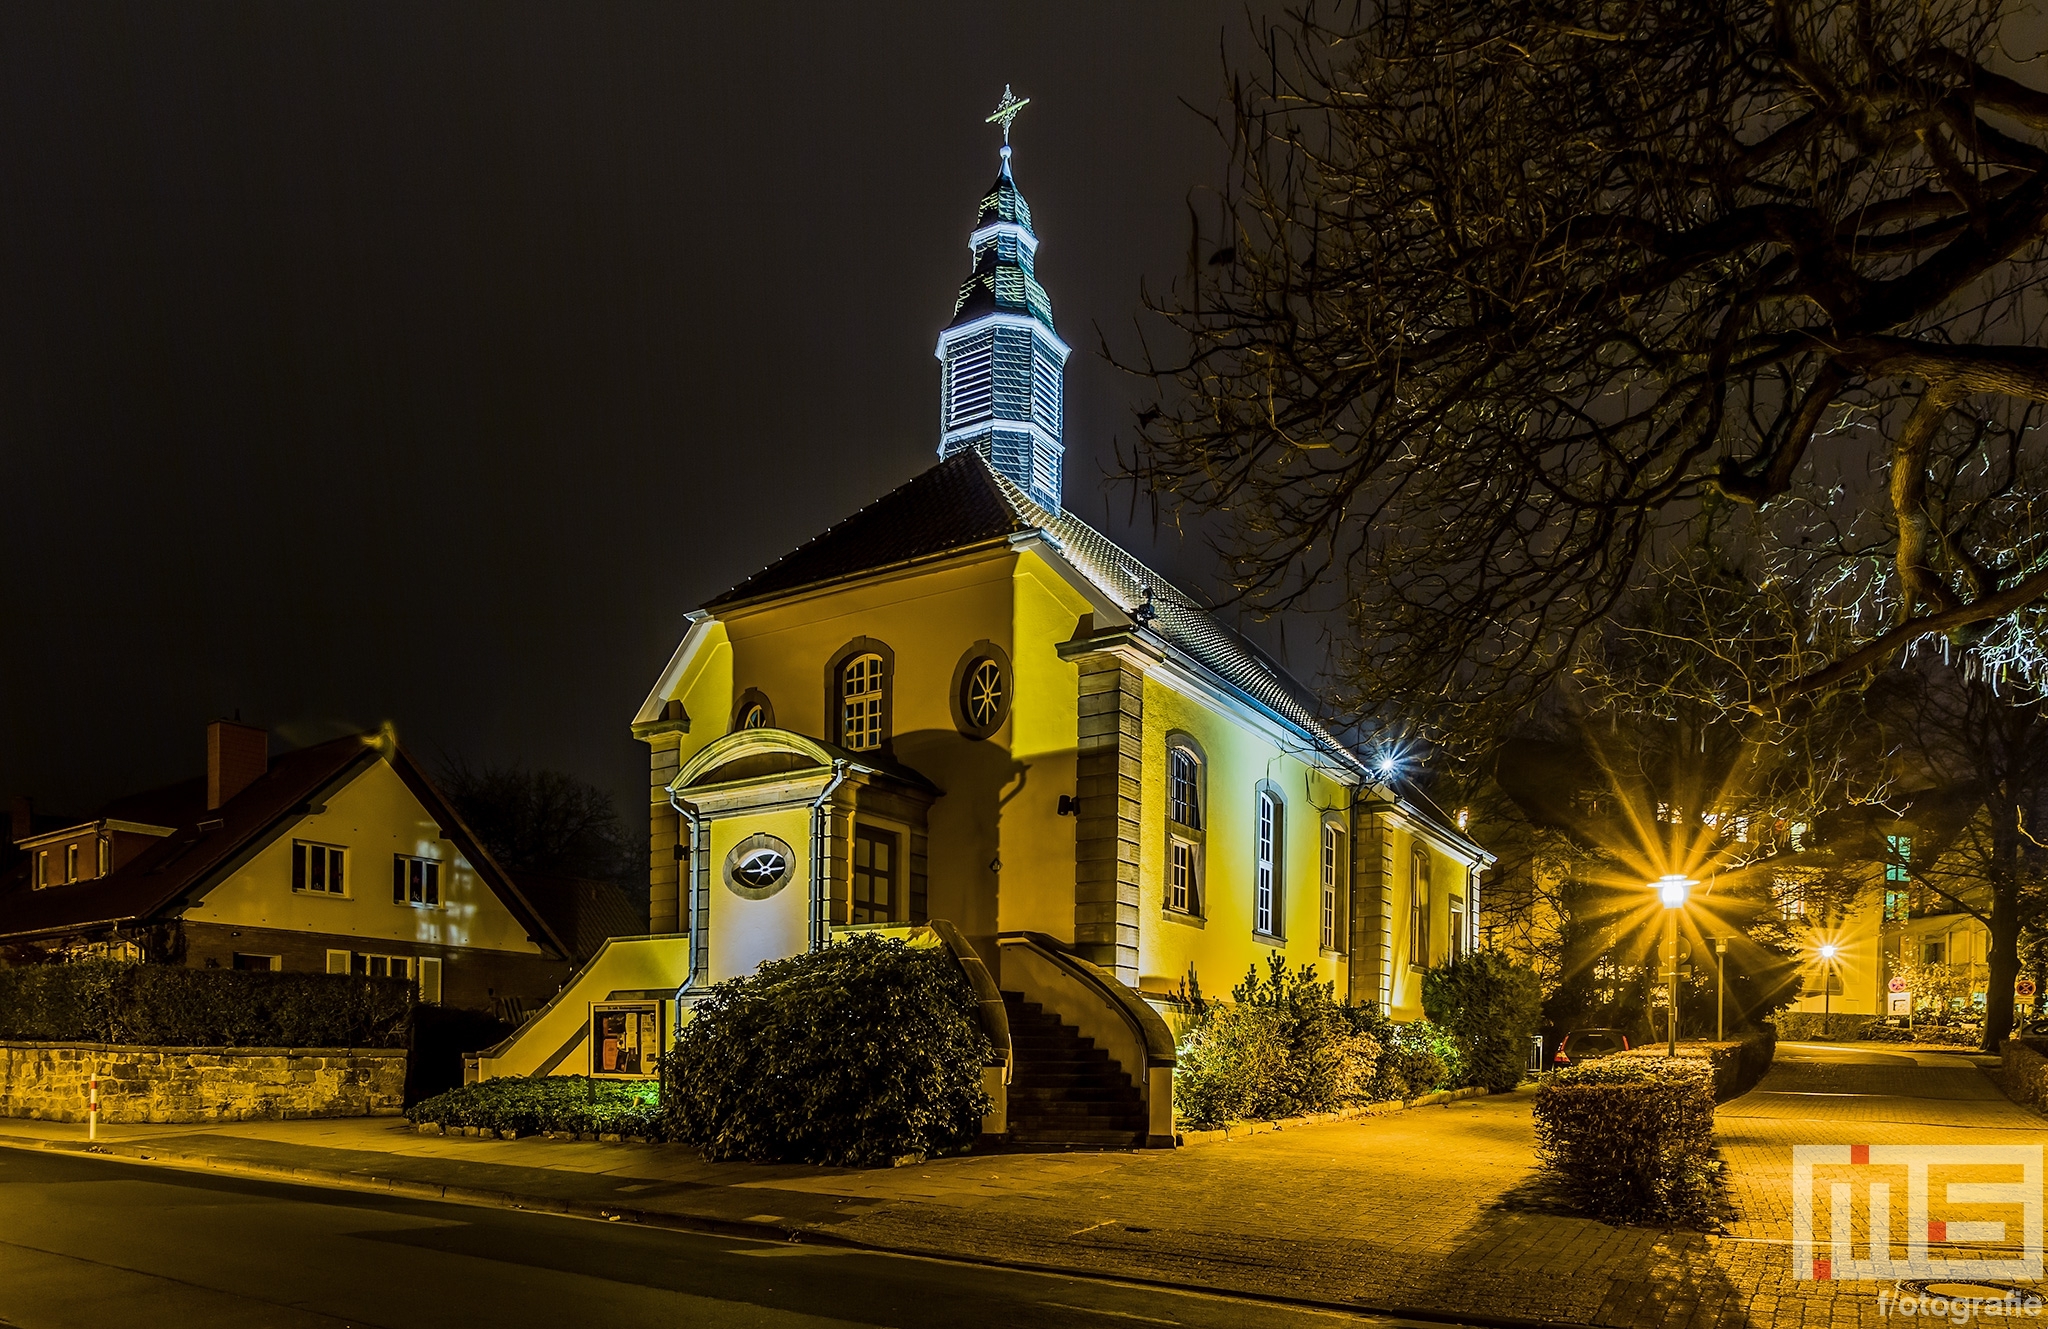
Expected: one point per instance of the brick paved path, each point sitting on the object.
(1437, 1210)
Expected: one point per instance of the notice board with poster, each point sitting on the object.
(625, 1039)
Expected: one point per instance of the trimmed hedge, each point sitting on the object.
(1814, 1026)
(527, 1106)
(857, 1055)
(1736, 1064)
(162, 1005)
(1630, 1139)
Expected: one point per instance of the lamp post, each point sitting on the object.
(1827, 974)
(1672, 888)
(1720, 989)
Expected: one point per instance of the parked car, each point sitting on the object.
(1588, 1045)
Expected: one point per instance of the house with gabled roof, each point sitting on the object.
(964, 712)
(341, 857)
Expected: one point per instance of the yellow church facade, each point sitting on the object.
(964, 714)
(1012, 725)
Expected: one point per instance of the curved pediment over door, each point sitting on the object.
(748, 755)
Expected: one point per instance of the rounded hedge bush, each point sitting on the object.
(856, 1055)
(1492, 1006)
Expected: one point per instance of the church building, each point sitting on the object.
(964, 711)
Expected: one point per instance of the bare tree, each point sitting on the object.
(1508, 305)
(1981, 761)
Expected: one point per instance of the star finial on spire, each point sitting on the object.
(1006, 111)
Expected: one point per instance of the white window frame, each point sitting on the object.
(862, 713)
(1333, 878)
(1190, 801)
(1419, 873)
(430, 882)
(1184, 875)
(395, 966)
(302, 869)
(1266, 865)
(71, 862)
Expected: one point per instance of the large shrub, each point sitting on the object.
(1416, 1057)
(171, 1006)
(1492, 1006)
(854, 1055)
(1283, 1045)
(546, 1103)
(1630, 1139)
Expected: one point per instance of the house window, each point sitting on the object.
(244, 960)
(1898, 878)
(1265, 868)
(862, 689)
(1935, 952)
(1333, 874)
(1183, 894)
(317, 868)
(42, 868)
(1457, 938)
(1418, 909)
(876, 863)
(415, 881)
(70, 862)
(381, 966)
(102, 858)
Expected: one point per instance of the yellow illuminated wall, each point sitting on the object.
(373, 818)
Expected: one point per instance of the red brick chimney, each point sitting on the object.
(237, 755)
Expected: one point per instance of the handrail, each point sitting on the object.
(995, 1017)
(1144, 1021)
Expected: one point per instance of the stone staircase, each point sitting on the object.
(1065, 1090)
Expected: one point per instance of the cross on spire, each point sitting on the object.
(1006, 111)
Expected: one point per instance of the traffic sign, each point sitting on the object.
(1897, 985)
(2023, 988)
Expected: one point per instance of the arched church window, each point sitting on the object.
(863, 689)
(1185, 802)
(982, 690)
(754, 717)
(753, 711)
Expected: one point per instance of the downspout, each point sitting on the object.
(699, 957)
(818, 936)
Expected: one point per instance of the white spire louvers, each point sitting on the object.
(1001, 360)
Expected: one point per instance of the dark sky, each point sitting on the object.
(427, 362)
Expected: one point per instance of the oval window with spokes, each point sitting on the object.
(758, 866)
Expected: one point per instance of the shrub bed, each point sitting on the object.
(1281, 1046)
(1630, 1139)
(527, 1106)
(1491, 1006)
(857, 1055)
(162, 1005)
(1813, 1026)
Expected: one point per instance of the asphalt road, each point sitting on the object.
(91, 1243)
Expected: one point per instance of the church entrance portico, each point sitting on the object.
(786, 839)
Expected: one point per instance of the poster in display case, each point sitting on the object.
(625, 1039)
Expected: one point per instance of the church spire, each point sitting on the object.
(1001, 360)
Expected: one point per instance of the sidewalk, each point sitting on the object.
(1436, 1211)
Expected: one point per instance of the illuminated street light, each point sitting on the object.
(1827, 986)
(1672, 888)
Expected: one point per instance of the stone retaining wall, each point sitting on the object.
(48, 1081)
(2024, 1073)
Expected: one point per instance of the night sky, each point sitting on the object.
(426, 363)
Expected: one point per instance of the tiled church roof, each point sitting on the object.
(961, 503)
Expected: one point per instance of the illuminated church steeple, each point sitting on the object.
(1001, 360)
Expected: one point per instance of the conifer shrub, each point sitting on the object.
(857, 1055)
(166, 1005)
(1492, 1007)
(1630, 1139)
(1283, 1045)
(530, 1105)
